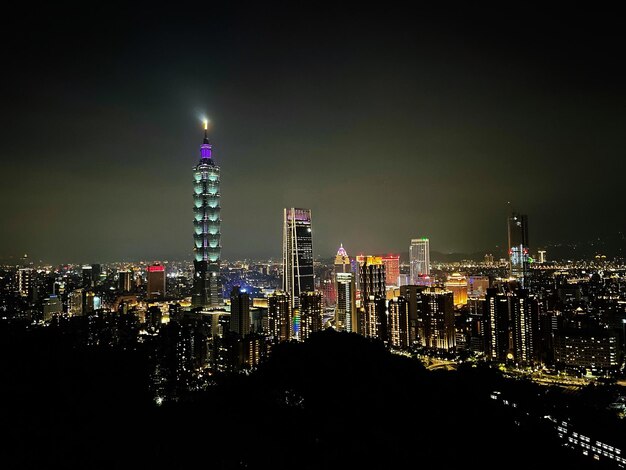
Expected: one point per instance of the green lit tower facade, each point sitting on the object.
(207, 286)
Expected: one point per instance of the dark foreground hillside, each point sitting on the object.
(336, 401)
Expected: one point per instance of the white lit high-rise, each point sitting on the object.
(419, 258)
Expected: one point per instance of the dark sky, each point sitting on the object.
(388, 124)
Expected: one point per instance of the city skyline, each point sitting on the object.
(452, 103)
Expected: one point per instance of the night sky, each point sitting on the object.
(388, 124)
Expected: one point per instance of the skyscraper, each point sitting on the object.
(392, 269)
(26, 282)
(342, 261)
(372, 276)
(87, 272)
(279, 316)
(124, 280)
(373, 320)
(156, 281)
(310, 314)
(239, 311)
(436, 320)
(518, 248)
(297, 254)
(398, 309)
(346, 317)
(419, 258)
(415, 299)
(511, 326)
(207, 288)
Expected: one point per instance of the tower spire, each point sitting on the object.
(205, 148)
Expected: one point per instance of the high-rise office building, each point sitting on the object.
(279, 316)
(373, 319)
(87, 272)
(419, 259)
(156, 281)
(297, 254)
(413, 296)
(310, 314)
(346, 317)
(392, 269)
(239, 311)
(371, 276)
(124, 283)
(518, 248)
(346, 314)
(96, 273)
(207, 285)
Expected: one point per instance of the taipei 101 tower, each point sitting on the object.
(207, 286)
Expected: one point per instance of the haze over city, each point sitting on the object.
(388, 126)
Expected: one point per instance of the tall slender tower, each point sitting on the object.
(297, 254)
(207, 286)
(518, 248)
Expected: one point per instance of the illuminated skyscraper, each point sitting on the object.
(373, 319)
(511, 326)
(392, 269)
(346, 317)
(398, 309)
(310, 314)
(518, 248)
(207, 286)
(156, 281)
(415, 299)
(239, 311)
(419, 258)
(342, 261)
(279, 316)
(372, 276)
(436, 320)
(297, 254)
(26, 282)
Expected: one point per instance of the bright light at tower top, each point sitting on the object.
(205, 121)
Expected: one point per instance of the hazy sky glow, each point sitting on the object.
(388, 126)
